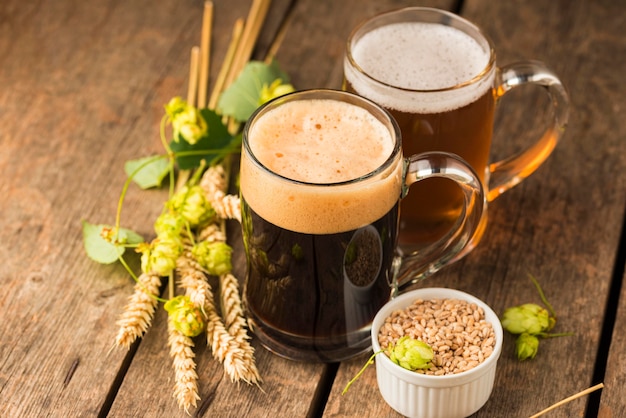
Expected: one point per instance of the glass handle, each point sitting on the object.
(511, 171)
(410, 268)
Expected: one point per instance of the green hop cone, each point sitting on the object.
(276, 89)
(411, 354)
(526, 346)
(187, 123)
(214, 256)
(186, 317)
(527, 318)
(407, 353)
(160, 255)
(192, 205)
(169, 223)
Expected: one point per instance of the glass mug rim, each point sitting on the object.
(328, 94)
(446, 18)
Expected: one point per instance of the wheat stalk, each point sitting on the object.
(138, 313)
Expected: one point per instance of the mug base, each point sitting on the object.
(309, 350)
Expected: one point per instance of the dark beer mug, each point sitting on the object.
(436, 73)
(322, 174)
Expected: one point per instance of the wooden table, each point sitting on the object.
(82, 90)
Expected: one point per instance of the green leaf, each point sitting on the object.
(103, 251)
(241, 99)
(147, 172)
(213, 146)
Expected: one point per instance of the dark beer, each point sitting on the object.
(313, 296)
(437, 82)
(320, 185)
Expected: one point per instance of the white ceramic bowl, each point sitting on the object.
(417, 395)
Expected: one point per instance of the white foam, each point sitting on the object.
(320, 141)
(419, 57)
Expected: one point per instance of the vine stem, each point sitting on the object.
(120, 202)
(369, 362)
(542, 295)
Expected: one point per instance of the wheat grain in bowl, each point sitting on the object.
(456, 330)
(466, 337)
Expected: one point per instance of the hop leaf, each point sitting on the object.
(186, 317)
(211, 147)
(147, 172)
(243, 96)
(104, 244)
(411, 354)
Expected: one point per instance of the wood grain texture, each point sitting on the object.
(312, 53)
(612, 400)
(83, 89)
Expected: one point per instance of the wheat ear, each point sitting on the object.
(235, 323)
(138, 313)
(214, 182)
(186, 378)
(238, 363)
(223, 345)
(228, 339)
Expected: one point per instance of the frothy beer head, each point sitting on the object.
(306, 154)
(400, 62)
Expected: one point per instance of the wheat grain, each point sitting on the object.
(138, 313)
(456, 330)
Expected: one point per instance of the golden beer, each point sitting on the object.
(437, 82)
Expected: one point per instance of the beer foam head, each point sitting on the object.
(422, 60)
(320, 142)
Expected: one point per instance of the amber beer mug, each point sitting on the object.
(322, 174)
(436, 73)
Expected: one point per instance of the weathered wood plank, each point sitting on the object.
(612, 400)
(83, 85)
(562, 224)
(312, 53)
(83, 91)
